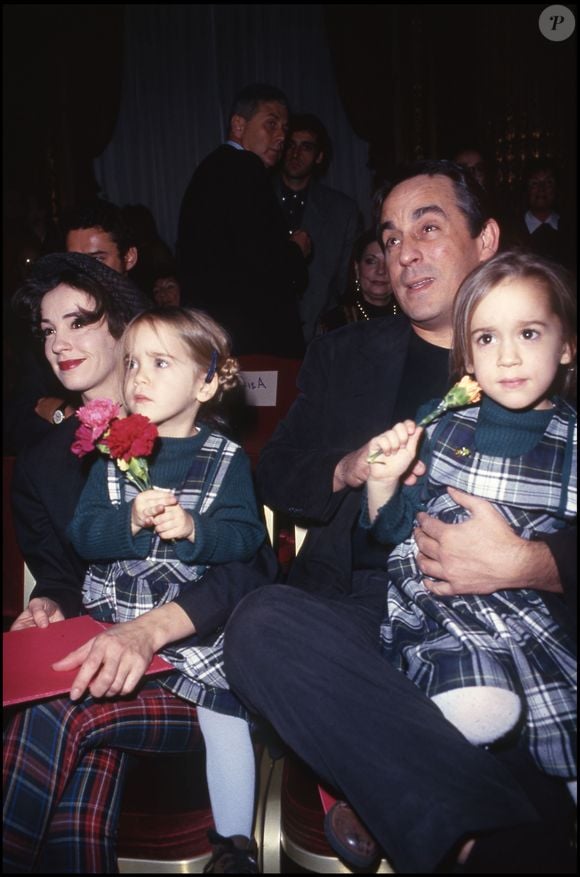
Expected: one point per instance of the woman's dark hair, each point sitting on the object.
(369, 236)
(116, 298)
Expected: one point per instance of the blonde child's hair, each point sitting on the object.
(513, 265)
(207, 342)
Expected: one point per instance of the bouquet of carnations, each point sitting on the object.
(127, 440)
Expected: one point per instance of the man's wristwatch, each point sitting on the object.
(58, 414)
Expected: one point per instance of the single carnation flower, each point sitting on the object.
(84, 442)
(132, 436)
(97, 415)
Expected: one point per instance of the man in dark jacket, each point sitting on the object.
(331, 218)
(235, 257)
(308, 657)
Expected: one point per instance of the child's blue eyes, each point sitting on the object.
(159, 363)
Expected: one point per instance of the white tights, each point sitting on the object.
(231, 771)
(483, 713)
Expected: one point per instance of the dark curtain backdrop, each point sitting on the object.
(422, 81)
(145, 90)
(62, 69)
(183, 67)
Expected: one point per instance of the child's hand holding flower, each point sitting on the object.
(464, 392)
(146, 507)
(398, 447)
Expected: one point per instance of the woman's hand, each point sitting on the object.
(113, 663)
(40, 612)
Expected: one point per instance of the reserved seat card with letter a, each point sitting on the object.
(28, 656)
(261, 387)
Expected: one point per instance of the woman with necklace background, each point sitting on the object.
(370, 294)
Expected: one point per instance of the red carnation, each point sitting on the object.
(132, 436)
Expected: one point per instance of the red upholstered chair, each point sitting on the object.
(165, 816)
(13, 569)
(270, 389)
(292, 821)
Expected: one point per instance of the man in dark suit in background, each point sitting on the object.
(235, 257)
(331, 219)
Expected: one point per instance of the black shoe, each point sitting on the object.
(232, 855)
(349, 838)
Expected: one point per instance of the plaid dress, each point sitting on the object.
(124, 589)
(509, 639)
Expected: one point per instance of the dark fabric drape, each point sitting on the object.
(62, 86)
(425, 81)
(184, 64)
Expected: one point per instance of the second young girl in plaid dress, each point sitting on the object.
(503, 662)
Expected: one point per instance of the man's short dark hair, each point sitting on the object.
(105, 215)
(248, 100)
(471, 199)
(311, 123)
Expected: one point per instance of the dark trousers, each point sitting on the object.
(312, 667)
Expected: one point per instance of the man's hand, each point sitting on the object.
(302, 239)
(113, 662)
(40, 612)
(482, 554)
(353, 470)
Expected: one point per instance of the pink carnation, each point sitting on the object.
(84, 442)
(133, 436)
(97, 415)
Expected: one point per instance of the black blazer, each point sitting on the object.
(348, 389)
(235, 257)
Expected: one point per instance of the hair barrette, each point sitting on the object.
(212, 367)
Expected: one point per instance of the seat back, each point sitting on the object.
(13, 570)
(269, 388)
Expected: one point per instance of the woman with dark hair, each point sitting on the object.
(65, 759)
(370, 294)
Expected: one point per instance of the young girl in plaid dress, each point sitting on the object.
(201, 512)
(504, 662)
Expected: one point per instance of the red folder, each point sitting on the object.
(28, 656)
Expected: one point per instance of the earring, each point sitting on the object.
(357, 286)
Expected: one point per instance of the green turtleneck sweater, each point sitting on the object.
(500, 432)
(229, 530)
